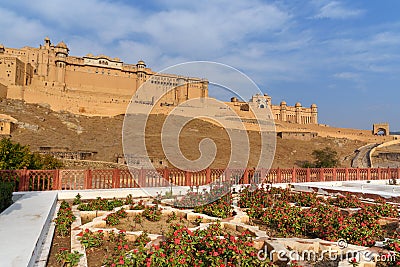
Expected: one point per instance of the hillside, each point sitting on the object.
(40, 126)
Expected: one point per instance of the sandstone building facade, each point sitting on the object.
(292, 114)
(7, 125)
(97, 85)
(101, 85)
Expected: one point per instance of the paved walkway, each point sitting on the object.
(21, 228)
(361, 160)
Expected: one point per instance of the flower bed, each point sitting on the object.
(154, 224)
(154, 235)
(323, 218)
(182, 247)
(60, 254)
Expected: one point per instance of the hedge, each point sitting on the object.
(6, 190)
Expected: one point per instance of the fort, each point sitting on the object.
(90, 85)
(101, 85)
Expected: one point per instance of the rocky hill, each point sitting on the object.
(39, 126)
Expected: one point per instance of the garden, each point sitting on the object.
(244, 228)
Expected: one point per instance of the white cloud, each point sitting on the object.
(17, 29)
(346, 75)
(336, 10)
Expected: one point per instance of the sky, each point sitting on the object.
(343, 55)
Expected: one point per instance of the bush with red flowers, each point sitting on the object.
(114, 218)
(64, 219)
(91, 239)
(317, 217)
(182, 247)
(221, 208)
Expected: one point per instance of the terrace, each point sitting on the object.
(29, 244)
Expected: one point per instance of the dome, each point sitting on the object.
(141, 62)
(62, 45)
(313, 106)
(298, 105)
(283, 103)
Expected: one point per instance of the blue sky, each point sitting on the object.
(342, 55)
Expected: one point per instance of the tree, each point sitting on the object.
(324, 158)
(14, 156)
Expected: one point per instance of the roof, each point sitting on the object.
(5, 117)
(62, 45)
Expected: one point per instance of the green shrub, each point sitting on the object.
(6, 190)
(14, 156)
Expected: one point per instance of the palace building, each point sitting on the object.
(292, 114)
(101, 85)
(92, 85)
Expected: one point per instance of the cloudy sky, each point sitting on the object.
(342, 55)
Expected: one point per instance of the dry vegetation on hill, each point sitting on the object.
(40, 126)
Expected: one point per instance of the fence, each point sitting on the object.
(41, 180)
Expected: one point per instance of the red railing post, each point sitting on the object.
(308, 175)
(88, 179)
(115, 178)
(346, 174)
(56, 180)
(334, 178)
(379, 173)
(279, 176)
(263, 175)
(23, 180)
(188, 178)
(228, 175)
(208, 175)
(293, 175)
(142, 178)
(398, 172)
(358, 173)
(368, 173)
(321, 175)
(246, 176)
(166, 176)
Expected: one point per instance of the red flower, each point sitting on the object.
(121, 262)
(177, 241)
(80, 234)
